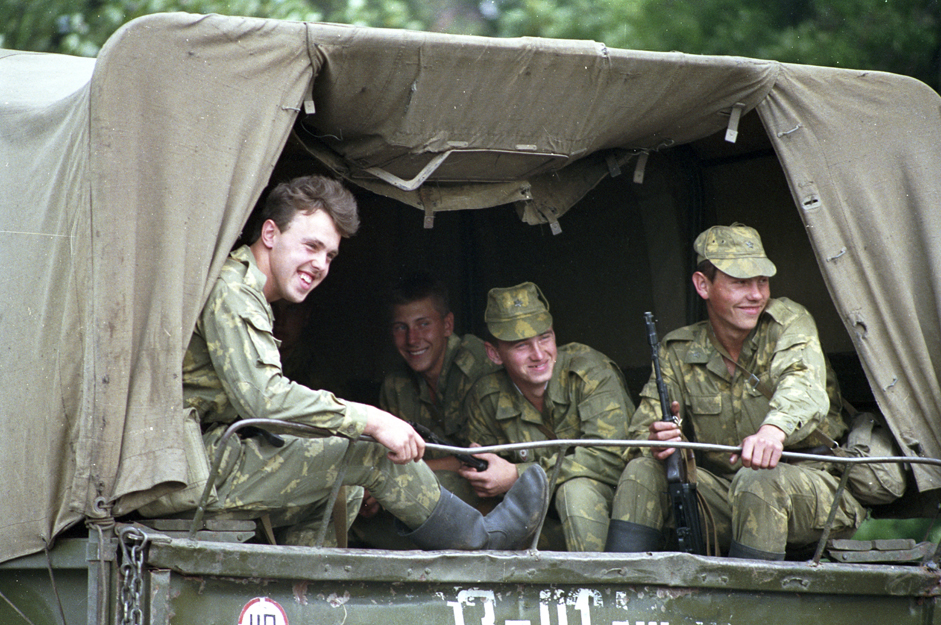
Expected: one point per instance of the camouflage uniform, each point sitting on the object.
(232, 370)
(405, 394)
(760, 509)
(585, 398)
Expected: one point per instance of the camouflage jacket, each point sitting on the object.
(405, 393)
(783, 351)
(586, 398)
(232, 368)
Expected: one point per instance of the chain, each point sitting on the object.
(133, 543)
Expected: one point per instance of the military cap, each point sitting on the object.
(735, 250)
(517, 312)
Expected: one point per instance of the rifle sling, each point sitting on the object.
(549, 434)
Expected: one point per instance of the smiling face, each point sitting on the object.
(295, 260)
(420, 333)
(528, 362)
(734, 304)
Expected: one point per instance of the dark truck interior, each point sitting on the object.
(624, 249)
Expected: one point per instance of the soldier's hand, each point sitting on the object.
(762, 450)
(496, 480)
(370, 506)
(665, 431)
(401, 439)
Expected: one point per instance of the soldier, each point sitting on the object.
(232, 370)
(428, 387)
(707, 368)
(547, 392)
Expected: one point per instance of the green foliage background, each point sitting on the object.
(901, 36)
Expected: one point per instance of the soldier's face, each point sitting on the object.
(528, 362)
(734, 304)
(421, 334)
(299, 256)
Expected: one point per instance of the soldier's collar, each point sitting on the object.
(253, 275)
(450, 353)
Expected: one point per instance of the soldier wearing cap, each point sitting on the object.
(546, 392)
(707, 368)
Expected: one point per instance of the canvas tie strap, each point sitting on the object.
(731, 133)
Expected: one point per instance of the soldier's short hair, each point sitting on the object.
(308, 194)
(707, 269)
(419, 285)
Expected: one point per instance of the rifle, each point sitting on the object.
(689, 536)
(430, 437)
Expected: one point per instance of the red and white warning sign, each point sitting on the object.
(262, 611)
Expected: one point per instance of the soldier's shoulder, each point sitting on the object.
(472, 347)
(472, 343)
(237, 265)
(397, 378)
(685, 334)
(238, 277)
(581, 358)
(232, 275)
(472, 357)
(233, 296)
(786, 311)
(492, 383)
(792, 324)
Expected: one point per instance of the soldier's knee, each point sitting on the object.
(769, 485)
(648, 472)
(584, 497)
(641, 494)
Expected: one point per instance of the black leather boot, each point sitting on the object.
(627, 537)
(738, 550)
(511, 525)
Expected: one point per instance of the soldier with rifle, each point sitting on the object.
(752, 375)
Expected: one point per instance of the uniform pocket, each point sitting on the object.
(706, 405)
(262, 340)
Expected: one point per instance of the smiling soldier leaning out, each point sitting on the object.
(232, 370)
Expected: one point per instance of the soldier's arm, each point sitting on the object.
(798, 372)
(501, 474)
(245, 356)
(647, 421)
(402, 441)
(498, 478)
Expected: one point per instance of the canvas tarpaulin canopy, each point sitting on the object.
(126, 180)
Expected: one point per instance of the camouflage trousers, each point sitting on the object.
(584, 507)
(768, 510)
(292, 483)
